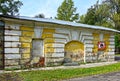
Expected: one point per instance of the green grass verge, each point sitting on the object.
(117, 54)
(55, 75)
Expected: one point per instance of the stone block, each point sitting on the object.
(11, 62)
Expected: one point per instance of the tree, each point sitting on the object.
(114, 7)
(82, 19)
(98, 14)
(117, 43)
(117, 40)
(90, 16)
(67, 11)
(10, 7)
(40, 16)
(102, 16)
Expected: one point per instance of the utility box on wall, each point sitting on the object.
(36, 42)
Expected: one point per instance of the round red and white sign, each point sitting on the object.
(101, 45)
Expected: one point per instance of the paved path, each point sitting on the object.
(117, 58)
(115, 76)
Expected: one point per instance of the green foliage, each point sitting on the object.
(10, 7)
(67, 11)
(97, 15)
(117, 40)
(40, 16)
(114, 12)
(90, 16)
(82, 19)
(116, 19)
(55, 75)
(114, 15)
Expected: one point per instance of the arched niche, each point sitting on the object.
(74, 50)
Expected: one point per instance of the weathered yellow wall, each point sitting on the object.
(96, 39)
(28, 35)
(74, 45)
(107, 42)
(74, 50)
(26, 41)
(47, 35)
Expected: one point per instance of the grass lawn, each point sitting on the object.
(117, 54)
(53, 75)
(59, 74)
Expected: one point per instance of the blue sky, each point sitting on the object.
(49, 7)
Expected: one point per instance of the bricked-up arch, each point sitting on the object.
(74, 50)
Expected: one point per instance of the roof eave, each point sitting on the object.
(60, 22)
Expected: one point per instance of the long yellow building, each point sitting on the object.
(36, 42)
